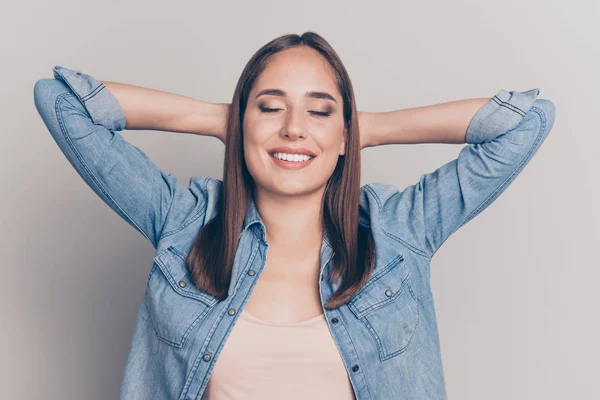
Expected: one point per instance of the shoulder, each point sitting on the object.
(394, 215)
(194, 204)
(372, 198)
(374, 195)
(206, 190)
(207, 185)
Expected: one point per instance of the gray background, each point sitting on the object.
(516, 289)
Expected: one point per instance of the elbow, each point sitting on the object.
(40, 95)
(547, 111)
(45, 93)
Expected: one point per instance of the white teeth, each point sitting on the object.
(292, 157)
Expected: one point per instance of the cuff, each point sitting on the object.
(501, 114)
(101, 104)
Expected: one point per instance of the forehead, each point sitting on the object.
(296, 71)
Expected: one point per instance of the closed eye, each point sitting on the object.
(319, 113)
(268, 110)
(323, 114)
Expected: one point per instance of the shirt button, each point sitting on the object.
(335, 320)
(321, 277)
(388, 293)
(251, 272)
(206, 357)
(231, 311)
(182, 283)
(355, 368)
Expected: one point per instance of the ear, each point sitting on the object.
(344, 141)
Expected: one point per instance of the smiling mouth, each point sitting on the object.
(292, 158)
(296, 161)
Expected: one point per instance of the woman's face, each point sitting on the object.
(288, 115)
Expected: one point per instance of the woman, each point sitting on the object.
(343, 308)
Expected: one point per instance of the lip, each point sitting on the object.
(293, 165)
(292, 150)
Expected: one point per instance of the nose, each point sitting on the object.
(294, 126)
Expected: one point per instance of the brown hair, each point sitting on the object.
(212, 255)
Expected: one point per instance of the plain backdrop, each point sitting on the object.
(516, 289)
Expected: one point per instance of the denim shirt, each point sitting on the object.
(387, 334)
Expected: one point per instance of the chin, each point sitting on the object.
(292, 188)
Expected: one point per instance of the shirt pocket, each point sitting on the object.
(175, 306)
(388, 308)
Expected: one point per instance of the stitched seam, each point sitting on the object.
(409, 246)
(152, 271)
(355, 352)
(374, 194)
(197, 215)
(367, 324)
(150, 207)
(392, 236)
(203, 297)
(389, 267)
(508, 105)
(510, 178)
(382, 351)
(63, 128)
(158, 336)
(191, 219)
(517, 169)
(93, 92)
(428, 293)
(219, 348)
(382, 303)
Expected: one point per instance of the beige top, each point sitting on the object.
(267, 360)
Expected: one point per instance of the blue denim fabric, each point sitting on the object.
(387, 334)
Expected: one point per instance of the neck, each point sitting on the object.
(291, 221)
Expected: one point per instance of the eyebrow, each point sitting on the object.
(281, 93)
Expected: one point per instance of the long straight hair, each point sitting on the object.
(212, 255)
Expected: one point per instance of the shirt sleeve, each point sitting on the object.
(84, 118)
(502, 137)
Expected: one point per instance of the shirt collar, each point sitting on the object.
(253, 217)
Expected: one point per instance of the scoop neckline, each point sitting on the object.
(309, 321)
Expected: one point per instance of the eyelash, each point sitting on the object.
(270, 110)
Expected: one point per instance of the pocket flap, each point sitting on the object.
(381, 289)
(173, 265)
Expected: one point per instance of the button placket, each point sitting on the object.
(335, 321)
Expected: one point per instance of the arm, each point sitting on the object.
(84, 118)
(438, 123)
(151, 109)
(502, 136)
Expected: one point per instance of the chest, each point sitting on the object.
(288, 288)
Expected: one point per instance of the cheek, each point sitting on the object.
(255, 132)
(252, 142)
(331, 139)
(253, 152)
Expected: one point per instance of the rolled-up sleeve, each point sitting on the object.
(84, 118)
(502, 113)
(502, 137)
(103, 107)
